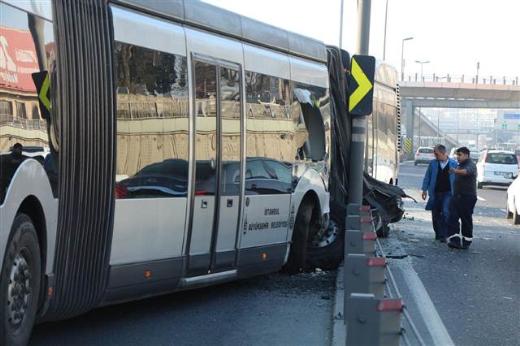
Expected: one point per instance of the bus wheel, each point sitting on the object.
(20, 283)
(325, 249)
(298, 252)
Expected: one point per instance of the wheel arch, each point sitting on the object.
(30, 188)
(32, 207)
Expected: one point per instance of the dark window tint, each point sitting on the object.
(152, 123)
(501, 158)
(426, 151)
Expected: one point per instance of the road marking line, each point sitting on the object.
(425, 306)
(481, 199)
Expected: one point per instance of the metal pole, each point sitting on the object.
(384, 39)
(357, 147)
(363, 26)
(402, 56)
(341, 25)
(359, 123)
(402, 59)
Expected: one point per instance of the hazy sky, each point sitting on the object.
(452, 34)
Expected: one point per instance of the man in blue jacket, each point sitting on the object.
(438, 185)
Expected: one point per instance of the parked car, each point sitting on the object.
(513, 201)
(423, 155)
(496, 167)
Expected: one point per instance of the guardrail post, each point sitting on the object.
(372, 321)
(364, 274)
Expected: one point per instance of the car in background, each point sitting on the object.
(496, 167)
(513, 201)
(423, 155)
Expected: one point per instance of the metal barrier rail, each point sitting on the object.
(480, 80)
(397, 293)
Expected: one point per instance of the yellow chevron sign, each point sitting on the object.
(408, 145)
(43, 95)
(362, 78)
(42, 82)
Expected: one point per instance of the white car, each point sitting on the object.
(423, 155)
(496, 167)
(513, 201)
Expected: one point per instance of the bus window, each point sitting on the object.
(152, 123)
(230, 125)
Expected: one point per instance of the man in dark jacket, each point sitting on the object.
(438, 185)
(463, 201)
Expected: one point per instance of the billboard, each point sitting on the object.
(18, 60)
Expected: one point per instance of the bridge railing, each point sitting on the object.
(470, 79)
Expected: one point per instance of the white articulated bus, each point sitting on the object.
(181, 145)
(383, 130)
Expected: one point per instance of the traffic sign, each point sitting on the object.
(408, 145)
(361, 85)
(43, 83)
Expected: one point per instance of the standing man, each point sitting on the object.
(438, 185)
(463, 201)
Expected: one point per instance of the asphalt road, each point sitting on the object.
(272, 309)
(475, 292)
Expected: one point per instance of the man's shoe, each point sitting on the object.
(442, 240)
(454, 245)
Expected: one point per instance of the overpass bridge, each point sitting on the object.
(449, 92)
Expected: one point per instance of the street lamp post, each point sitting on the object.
(478, 68)
(402, 55)
(384, 39)
(422, 63)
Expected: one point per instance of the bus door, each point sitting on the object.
(218, 167)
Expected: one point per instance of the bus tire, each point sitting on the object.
(298, 253)
(329, 255)
(20, 283)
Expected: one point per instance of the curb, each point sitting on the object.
(339, 336)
